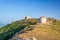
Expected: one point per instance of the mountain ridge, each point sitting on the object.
(9, 30)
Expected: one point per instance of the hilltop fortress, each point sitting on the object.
(42, 19)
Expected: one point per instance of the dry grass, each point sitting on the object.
(42, 33)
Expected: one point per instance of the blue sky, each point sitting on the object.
(12, 10)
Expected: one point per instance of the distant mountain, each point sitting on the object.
(1, 24)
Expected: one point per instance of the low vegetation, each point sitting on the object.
(9, 30)
(50, 31)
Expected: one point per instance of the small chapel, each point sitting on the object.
(42, 20)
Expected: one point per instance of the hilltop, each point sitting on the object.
(46, 32)
(32, 28)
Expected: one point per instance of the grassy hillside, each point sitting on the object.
(9, 30)
(45, 32)
(50, 31)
